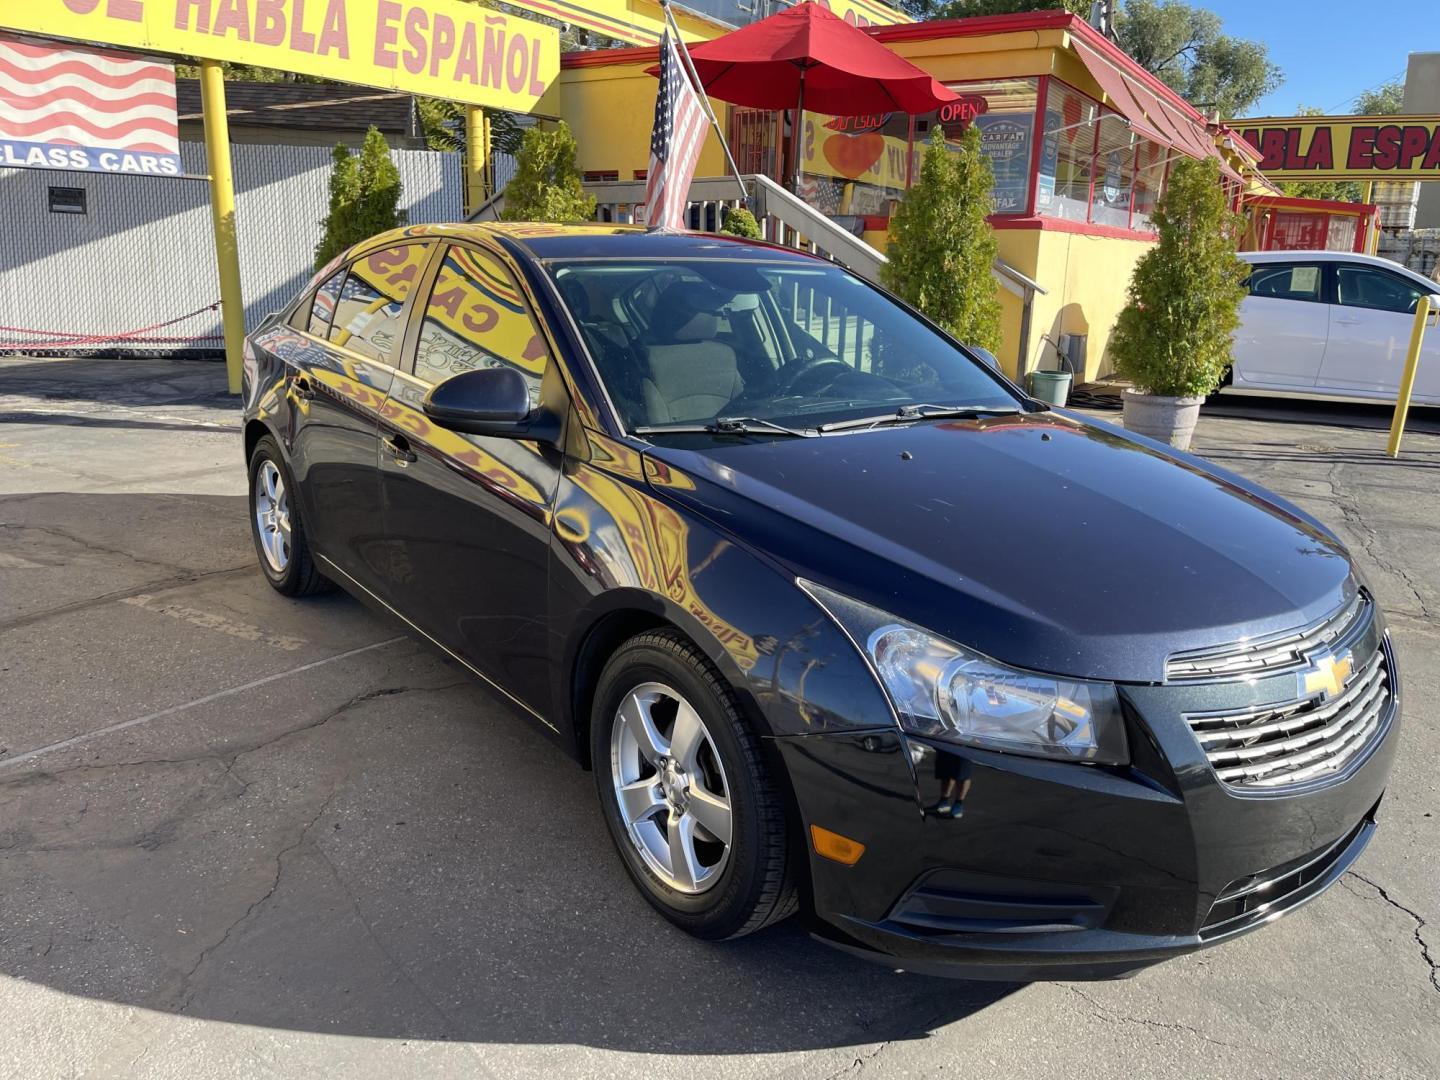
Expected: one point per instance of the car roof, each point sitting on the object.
(545, 241)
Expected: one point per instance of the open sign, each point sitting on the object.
(964, 109)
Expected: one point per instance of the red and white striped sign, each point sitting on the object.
(71, 107)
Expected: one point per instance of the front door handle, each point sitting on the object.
(399, 448)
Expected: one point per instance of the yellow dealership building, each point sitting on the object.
(1080, 137)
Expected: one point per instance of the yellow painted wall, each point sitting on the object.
(1085, 278)
(610, 110)
(1088, 277)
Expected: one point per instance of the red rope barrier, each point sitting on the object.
(61, 340)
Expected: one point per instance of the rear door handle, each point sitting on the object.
(399, 448)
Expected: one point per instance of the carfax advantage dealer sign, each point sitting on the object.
(439, 48)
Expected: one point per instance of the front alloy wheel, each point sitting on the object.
(670, 787)
(691, 804)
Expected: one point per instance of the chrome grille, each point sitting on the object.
(1269, 655)
(1276, 746)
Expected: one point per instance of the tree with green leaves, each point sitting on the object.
(941, 245)
(1186, 48)
(1173, 337)
(546, 185)
(365, 194)
(965, 9)
(1386, 99)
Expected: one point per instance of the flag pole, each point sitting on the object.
(704, 98)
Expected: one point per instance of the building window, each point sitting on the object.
(854, 166)
(67, 200)
(1152, 162)
(1004, 111)
(1067, 154)
(601, 175)
(1114, 173)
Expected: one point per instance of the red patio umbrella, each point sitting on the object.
(806, 57)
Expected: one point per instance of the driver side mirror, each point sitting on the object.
(985, 355)
(487, 401)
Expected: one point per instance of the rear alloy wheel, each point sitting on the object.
(275, 524)
(683, 787)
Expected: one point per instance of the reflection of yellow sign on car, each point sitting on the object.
(476, 318)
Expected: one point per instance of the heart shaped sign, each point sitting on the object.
(851, 155)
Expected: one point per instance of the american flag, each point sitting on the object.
(675, 142)
(73, 107)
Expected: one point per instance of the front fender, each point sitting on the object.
(620, 548)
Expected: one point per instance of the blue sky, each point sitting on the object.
(1330, 50)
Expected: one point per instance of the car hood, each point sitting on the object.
(1043, 540)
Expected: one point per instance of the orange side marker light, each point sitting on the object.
(834, 846)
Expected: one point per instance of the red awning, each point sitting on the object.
(1149, 114)
(1117, 88)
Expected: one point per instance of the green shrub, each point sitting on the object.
(942, 248)
(1173, 338)
(741, 222)
(364, 197)
(546, 186)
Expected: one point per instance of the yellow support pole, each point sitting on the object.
(1407, 381)
(477, 157)
(222, 212)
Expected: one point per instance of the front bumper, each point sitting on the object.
(1063, 871)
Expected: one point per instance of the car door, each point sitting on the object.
(1284, 324)
(356, 325)
(1370, 325)
(468, 516)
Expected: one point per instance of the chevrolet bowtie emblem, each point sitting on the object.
(1327, 674)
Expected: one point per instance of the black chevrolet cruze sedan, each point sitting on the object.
(841, 619)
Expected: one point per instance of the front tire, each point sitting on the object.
(276, 527)
(690, 804)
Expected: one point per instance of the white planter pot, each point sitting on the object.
(1169, 419)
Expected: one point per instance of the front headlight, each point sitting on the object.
(944, 691)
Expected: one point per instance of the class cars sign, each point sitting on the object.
(1346, 147)
(68, 107)
(439, 48)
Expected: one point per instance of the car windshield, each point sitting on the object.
(687, 342)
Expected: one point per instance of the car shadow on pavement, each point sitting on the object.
(322, 824)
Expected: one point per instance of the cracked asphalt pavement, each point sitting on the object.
(242, 836)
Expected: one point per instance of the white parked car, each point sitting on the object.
(1332, 324)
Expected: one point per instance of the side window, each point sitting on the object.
(1360, 286)
(1286, 281)
(367, 311)
(322, 305)
(477, 318)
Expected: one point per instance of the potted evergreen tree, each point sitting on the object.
(1172, 341)
(942, 248)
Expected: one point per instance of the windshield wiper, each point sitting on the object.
(727, 425)
(910, 413)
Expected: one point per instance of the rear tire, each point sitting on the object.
(670, 793)
(276, 526)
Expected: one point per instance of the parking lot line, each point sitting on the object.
(29, 755)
